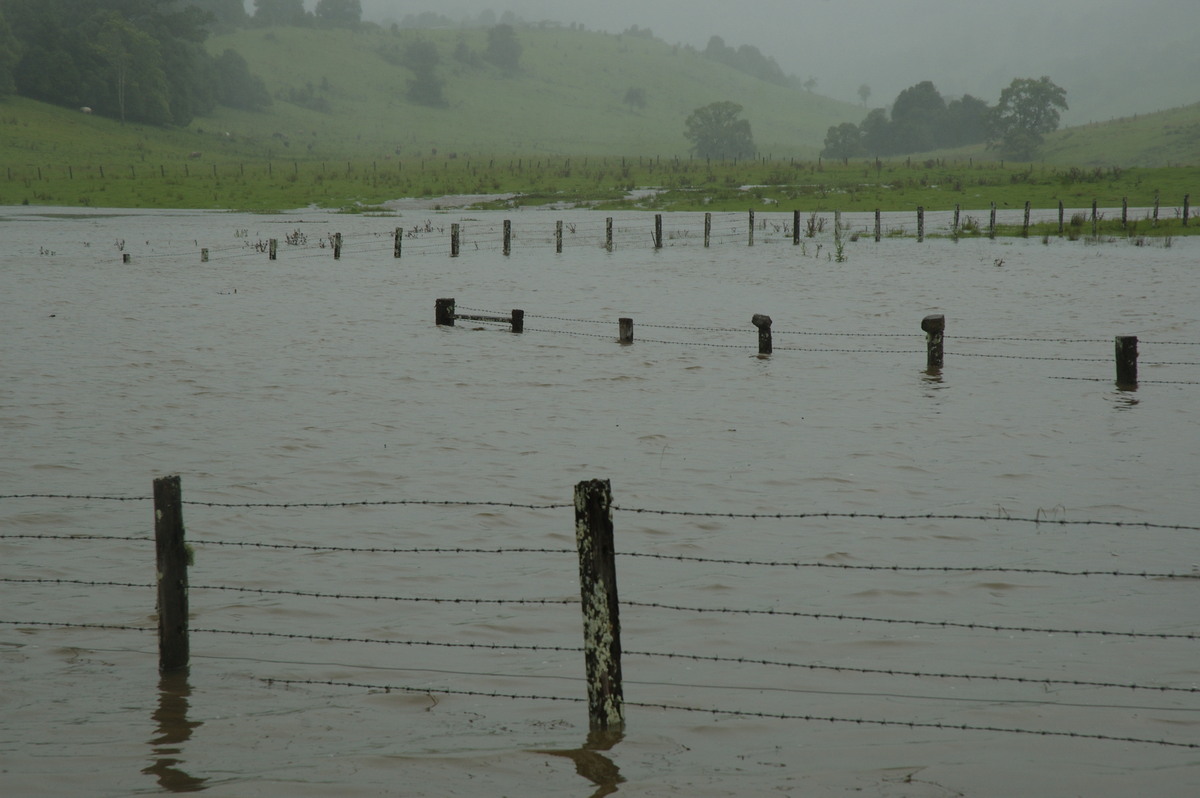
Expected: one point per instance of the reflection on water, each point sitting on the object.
(1125, 398)
(594, 766)
(174, 729)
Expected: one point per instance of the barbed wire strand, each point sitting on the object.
(734, 713)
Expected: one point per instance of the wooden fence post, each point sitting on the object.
(763, 323)
(920, 223)
(1060, 217)
(935, 328)
(601, 609)
(795, 228)
(992, 222)
(518, 321)
(1127, 357)
(337, 246)
(204, 254)
(1025, 223)
(625, 328)
(878, 225)
(608, 234)
(454, 240)
(955, 226)
(171, 555)
(507, 237)
(273, 249)
(750, 242)
(1187, 208)
(707, 229)
(444, 312)
(558, 236)
(658, 231)
(1124, 212)
(398, 242)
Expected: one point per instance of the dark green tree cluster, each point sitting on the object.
(503, 47)
(745, 58)
(133, 60)
(425, 87)
(920, 120)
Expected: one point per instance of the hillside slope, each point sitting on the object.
(567, 98)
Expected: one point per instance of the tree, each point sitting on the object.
(10, 54)
(134, 70)
(236, 87)
(843, 141)
(918, 118)
(876, 131)
(1028, 109)
(340, 13)
(966, 121)
(227, 14)
(279, 12)
(503, 49)
(716, 132)
(421, 57)
(635, 97)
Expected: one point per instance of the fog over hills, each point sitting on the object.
(1114, 57)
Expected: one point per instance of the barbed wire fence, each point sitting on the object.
(656, 690)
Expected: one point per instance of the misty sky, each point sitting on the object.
(964, 46)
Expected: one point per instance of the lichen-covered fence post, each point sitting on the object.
(398, 243)
(625, 330)
(707, 229)
(750, 242)
(935, 329)
(601, 609)
(763, 323)
(920, 224)
(171, 556)
(658, 231)
(608, 234)
(454, 240)
(1127, 361)
(444, 312)
(507, 237)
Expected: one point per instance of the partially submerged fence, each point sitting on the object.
(933, 326)
(602, 649)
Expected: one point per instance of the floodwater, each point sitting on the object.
(315, 381)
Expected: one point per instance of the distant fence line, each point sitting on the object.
(602, 649)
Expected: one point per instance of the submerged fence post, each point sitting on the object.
(878, 225)
(172, 560)
(954, 227)
(601, 609)
(454, 240)
(796, 228)
(658, 231)
(1060, 217)
(558, 236)
(750, 242)
(507, 237)
(337, 246)
(920, 223)
(204, 254)
(608, 230)
(398, 243)
(273, 249)
(992, 222)
(1187, 208)
(1025, 223)
(625, 330)
(1127, 357)
(518, 321)
(444, 312)
(763, 323)
(707, 228)
(935, 328)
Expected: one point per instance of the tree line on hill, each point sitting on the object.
(921, 120)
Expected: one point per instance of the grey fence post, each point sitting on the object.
(601, 614)
(935, 328)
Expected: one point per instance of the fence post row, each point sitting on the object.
(171, 555)
(601, 613)
(935, 328)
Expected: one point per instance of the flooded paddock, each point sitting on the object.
(839, 572)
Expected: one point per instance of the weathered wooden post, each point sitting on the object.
(935, 328)
(454, 240)
(273, 249)
(920, 223)
(444, 312)
(398, 242)
(1025, 222)
(707, 229)
(796, 228)
(878, 225)
(1187, 208)
(204, 254)
(337, 246)
(172, 560)
(955, 226)
(1155, 209)
(507, 237)
(1060, 217)
(558, 236)
(658, 231)
(518, 321)
(608, 234)
(992, 222)
(1095, 220)
(1127, 357)
(126, 257)
(763, 323)
(601, 609)
(1124, 212)
(625, 327)
(750, 242)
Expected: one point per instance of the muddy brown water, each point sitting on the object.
(309, 380)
